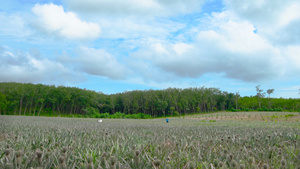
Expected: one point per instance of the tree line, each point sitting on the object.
(38, 99)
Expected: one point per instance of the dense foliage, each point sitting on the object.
(47, 142)
(38, 99)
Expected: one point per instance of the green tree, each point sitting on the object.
(270, 91)
(237, 96)
(3, 103)
(259, 95)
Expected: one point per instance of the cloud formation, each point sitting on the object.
(276, 20)
(232, 49)
(95, 62)
(23, 67)
(129, 28)
(14, 25)
(136, 7)
(152, 42)
(53, 20)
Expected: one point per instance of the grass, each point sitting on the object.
(221, 140)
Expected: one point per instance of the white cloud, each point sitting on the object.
(277, 20)
(136, 7)
(23, 67)
(181, 48)
(52, 19)
(157, 43)
(232, 49)
(129, 28)
(96, 62)
(291, 61)
(13, 25)
(263, 12)
(148, 72)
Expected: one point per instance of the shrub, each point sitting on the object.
(141, 116)
(128, 116)
(235, 110)
(104, 115)
(175, 113)
(278, 109)
(117, 115)
(265, 109)
(90, 112)
(137, 116)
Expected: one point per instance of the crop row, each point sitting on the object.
(83, 143)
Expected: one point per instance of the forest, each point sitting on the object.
(50, 100)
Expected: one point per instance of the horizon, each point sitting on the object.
(116, 46)
(263, 92)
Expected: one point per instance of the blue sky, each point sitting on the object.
(112, 46)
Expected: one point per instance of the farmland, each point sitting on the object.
(214, 140)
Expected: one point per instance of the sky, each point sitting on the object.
(112, 46)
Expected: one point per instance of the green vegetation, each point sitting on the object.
(248, 116)
(119, 115)
(42, 100)
(52, 142)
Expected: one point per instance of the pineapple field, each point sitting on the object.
(214, 140)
